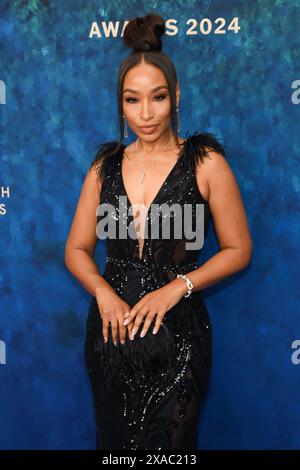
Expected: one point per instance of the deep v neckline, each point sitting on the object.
(155, 197)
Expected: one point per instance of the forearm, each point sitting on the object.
(82, 265)
(223, 264)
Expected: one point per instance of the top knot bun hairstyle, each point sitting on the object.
(143, 36)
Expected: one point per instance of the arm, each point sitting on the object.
(230, 223)
(82, 238)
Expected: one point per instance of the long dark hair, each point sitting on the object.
(143, 36)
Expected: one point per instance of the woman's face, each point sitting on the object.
(146, 101)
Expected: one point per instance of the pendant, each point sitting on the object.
(142, 176)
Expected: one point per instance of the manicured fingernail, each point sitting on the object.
(122, 341)
(125, 322)
(154, 332)
(142, 334)
(132, 334)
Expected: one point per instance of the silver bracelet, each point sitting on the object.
(188, 283)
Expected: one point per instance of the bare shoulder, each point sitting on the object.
(83, 229)
(93, 178)
(214, 169)
(92, 183)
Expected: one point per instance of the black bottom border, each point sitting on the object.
(133, 459)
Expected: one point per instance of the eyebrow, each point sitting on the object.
(153, 89)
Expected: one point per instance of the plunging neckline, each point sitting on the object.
(140, 257)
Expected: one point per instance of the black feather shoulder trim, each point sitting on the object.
(196, 145)
(106, 156)
(199, 144)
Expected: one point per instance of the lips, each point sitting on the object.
(148, 130)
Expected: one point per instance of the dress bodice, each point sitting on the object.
(175, 220)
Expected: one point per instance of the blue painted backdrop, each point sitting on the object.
(58, 102)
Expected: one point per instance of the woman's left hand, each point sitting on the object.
(155, 303)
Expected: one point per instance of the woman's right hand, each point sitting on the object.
(113, 312)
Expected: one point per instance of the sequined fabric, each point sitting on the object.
(161, 409)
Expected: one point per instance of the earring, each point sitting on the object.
(178, 119)
(125, 127)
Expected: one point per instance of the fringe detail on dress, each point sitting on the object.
(139, 359)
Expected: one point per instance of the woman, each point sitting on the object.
(148, 389)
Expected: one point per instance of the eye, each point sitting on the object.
(130, 99)
(161, 96)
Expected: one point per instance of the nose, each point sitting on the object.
(146, 111)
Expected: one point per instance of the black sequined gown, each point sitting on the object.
(153, 413)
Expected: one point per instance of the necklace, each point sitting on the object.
(143, 173)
